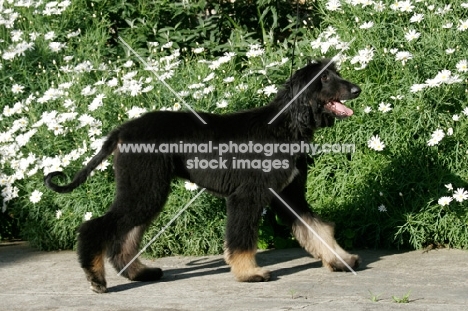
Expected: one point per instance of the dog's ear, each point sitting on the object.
(331, 66)
(300, 116)
(300, 111)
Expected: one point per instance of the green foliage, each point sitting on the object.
(387, 198)
(199, 230)
(404, 299)
(374, 297)
(9, 226)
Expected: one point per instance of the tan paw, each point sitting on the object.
(254, 275)
(337, 265)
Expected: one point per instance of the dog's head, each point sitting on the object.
(320, 93)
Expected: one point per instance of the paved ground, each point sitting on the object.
(437, 280)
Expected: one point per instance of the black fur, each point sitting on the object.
(143, 179)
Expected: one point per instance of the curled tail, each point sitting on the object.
(107, 148)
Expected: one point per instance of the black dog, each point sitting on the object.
(241, 173)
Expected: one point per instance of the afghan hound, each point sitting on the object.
(239, 156)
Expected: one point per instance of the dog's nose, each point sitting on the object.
(355, 90)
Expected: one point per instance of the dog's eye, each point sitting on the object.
(324, 77)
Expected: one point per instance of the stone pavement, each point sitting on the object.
(436, 280)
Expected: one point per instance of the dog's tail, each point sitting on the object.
(107, 148)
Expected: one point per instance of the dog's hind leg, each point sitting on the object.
(111, 235)
(91, 251)
(243, 215)
(119, 239)
(142, 190)
(123, 249)
(143, 185)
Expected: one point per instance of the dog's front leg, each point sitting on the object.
(321, 243)
(241, 238)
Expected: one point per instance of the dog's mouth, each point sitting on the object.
(338, 109)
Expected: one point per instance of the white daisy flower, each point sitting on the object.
(103, 165)
(222, 104)
(417, 87)
(398, 97)
(375, 143)
(403, 56)
(462, 66)
(438, 134)
(190, 186)
(35, 196)
(465, 111)
(198, 50)
(436, 137)
(367, 25)
(135, 112)
(16, 35)
(444, 201)
(228, 79)
(447, 25)
(49, 35)
(56, 46)
(255, 51)
(463, 25)
(333, 5)
(405, 6)
(183, 93)
(460, 195)
(271, 89)
(383, 107)
(416, 18)
(88, 90)
(208, 78)
(167, 45)
(128, 64)
(412, 35)
(176, 107)
(16, 88)
(87, 216)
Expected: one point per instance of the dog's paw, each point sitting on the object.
(254, 275)
(357, 261)
(337, 265)
(98, 287)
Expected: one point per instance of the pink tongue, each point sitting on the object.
(341, 110)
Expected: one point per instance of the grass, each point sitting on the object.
(293, 293)
(374, 297)
(67, 81)
(404, 299)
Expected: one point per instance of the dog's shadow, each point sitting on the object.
(205, 267)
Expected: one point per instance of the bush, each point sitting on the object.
(68, 80)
